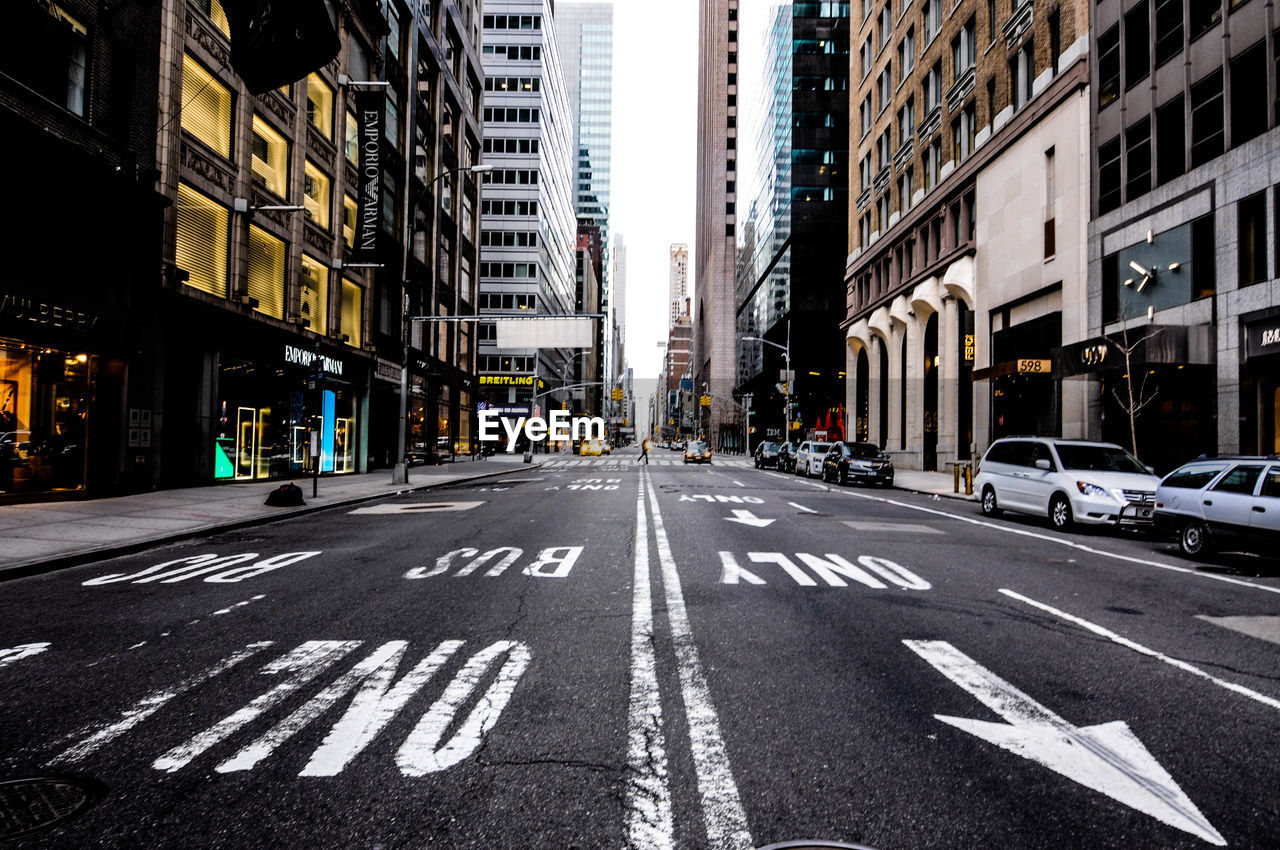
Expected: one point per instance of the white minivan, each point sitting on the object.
(1070, 481)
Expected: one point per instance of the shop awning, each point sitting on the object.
(1022, 366)
(1181, 345)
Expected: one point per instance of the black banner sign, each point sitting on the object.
(1263, 338)
(370, 115)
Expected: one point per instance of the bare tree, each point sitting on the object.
(1135, 400)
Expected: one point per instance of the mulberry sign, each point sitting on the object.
(370, 112)
(33, 311)
(1263, 337)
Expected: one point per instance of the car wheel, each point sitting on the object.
(1194, 540)
(1060, 513)
(844, 477)
(826, 476)
(989, 505)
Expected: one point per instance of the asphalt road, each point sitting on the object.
(604, 655)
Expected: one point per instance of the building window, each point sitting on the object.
(216, 14)
(1109, 185)
(351, 314)
(907, 122)
(1168, 30)
(886, 25)
(315, 194)
(865, 115)
(865, 53)
(349, 211)
(270, 161)
(206, 106)
(351, 141)
(1055, 39)
(320, 105)
(963, 51)
(266, 272)
(864, 173)
(1204, 16)
(1137, 141)
(1251, 230)
(201, 249)
(1171, 140)
(1249, 94)
(391, 126)
(906, 188)
(1050, 203)
(886, 86)
(394, 34)
(884, 151)
(314, 304)
(933, 87)
(1109, 66)
(907, 53)
(964, 130)
(932, 163)
(1206, 119)
(932, 19)
(1137, 45)
(1022, 76)
(992, 29)
(47, 49)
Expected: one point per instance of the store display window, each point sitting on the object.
(44, 418)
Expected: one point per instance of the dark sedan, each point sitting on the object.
(862, 462)
(697, 452)
(766, 454)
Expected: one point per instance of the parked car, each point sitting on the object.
(766, 454)
(861, 462)
(697, 452)
(809, 457)
(1070, 481)
(786, 457)
(1222, 502)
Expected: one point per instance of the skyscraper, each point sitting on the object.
(585, 35)
(527, 238)
(678, 281)
(714, 329)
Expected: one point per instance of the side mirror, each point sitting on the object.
(1044, 463)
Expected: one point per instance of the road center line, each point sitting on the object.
(1139, 648)
(725, 819)
(648, 798)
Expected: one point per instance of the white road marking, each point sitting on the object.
(1139, 648)
(1261, 627)
(802, 508)
(138, 645)
(1108, 757)
(648, 796)
(305, 663)
(725, 820)
(425, 750)
(93, 737)
(417, 508)
(748, 518)
(740, 484)
(731, 572)
(22, 650)
(1069, 543)
(231, 608)
(904, 527)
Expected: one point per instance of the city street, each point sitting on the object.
(595, 653)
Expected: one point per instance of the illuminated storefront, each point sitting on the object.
(268, 410)
(45, 395)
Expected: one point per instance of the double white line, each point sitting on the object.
(649, 817)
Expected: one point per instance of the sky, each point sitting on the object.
(655, 146)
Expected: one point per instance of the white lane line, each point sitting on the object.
(22, 650)
(1139, 648)
(739, 483)
(94, 738)
(305, 663)
(725, 819)
(1068, 543)
(802, 508)
(231, 608)
(649, 820)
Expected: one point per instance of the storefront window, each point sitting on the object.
(202, 241)
(466, 412)
(44, 412)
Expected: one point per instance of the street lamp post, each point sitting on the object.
(786, 350)
(401, 473)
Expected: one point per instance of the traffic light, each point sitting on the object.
(277, 42)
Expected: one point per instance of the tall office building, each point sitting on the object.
(617, 309)
(585, 35)
(678, 281)
(790, 287)
(528, 228)
(714, 326)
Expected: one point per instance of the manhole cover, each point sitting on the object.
(28, 805)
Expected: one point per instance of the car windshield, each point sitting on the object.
(819, 448)
(1099, 459)
(862, 450)
(768, 447)
(697, 447)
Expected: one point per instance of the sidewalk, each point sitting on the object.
(50, 535)
(937, 483)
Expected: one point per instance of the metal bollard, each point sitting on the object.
(955, 471)
(968, 479)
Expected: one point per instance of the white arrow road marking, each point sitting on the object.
(1108, 757)
(93, 738)
(1137, 647)
(22, 650)
(748, 518)
(417, 508)
(648, 799)
(305, 663)
(723, 815)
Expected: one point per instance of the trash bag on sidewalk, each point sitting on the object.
(285, 496)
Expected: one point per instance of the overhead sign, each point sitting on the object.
(304, 357)
(1263, 338)
(506, 380)
(517, 333)
(370, 116)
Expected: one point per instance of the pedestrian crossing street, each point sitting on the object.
(617, 463)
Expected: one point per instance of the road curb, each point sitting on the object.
(27, 569)
(959, 497)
